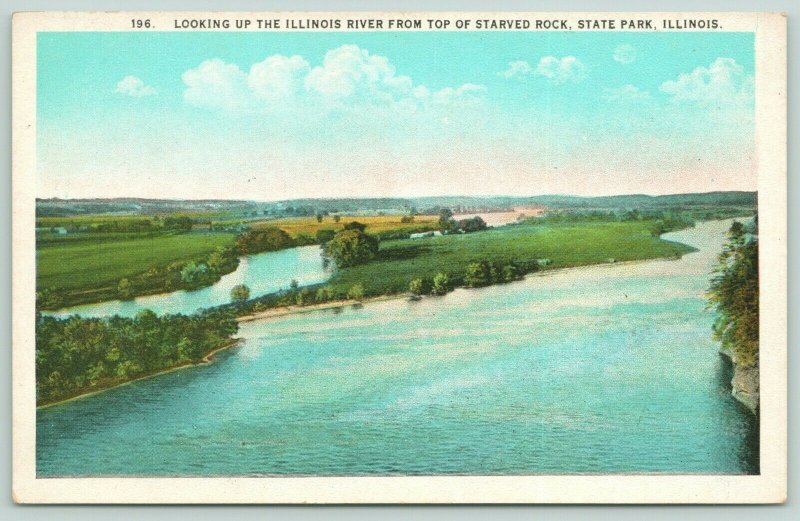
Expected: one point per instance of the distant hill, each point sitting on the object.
(68, 207)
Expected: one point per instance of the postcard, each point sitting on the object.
(399, 257)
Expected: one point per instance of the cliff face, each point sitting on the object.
(745, 383)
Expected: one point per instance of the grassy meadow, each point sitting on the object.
(95, 261)
(564, 245)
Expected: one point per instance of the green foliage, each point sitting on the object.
(304, 297)
(441, 284)
(446, 221)
(125, 289)
(325, 235)
(355, 225)
(473, 224)
(194, 274)
(521, 245)
(478, 274)
(352, 247)
(268, 239)
(419, 286)
(323, 294)
(75, 355)
(240, 293)
(734, 295)
(356, 292)
(98, 261)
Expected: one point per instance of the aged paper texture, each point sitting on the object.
(399, 257)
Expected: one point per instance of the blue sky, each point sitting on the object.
(282, 115)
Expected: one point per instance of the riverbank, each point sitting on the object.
(282, 311)
(291, 310)
(745, 383)
(206, 359)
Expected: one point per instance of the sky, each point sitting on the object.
(270, 116)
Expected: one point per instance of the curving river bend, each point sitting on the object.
(602, 369)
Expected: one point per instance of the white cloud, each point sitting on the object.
(625, 54)
(724, 82)
(277, 77)
(351, 72)
(516, 69)
(560, 71)
(348, 75)
(133, 86)
(218, 85)
(626, 94)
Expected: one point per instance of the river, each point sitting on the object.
(263, 273)
(606, 369)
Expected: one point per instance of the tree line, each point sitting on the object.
(734, 294)
(76, 355)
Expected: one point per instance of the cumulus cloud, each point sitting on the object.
(216, 84)
(278, 77)
(560, 71)
(626, 94)
(625, 54)
(348, 76)
(133, 86)
(516, 69)
(724, 82)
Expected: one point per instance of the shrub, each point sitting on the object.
(441, 284)
(356, 292)
(240, 293)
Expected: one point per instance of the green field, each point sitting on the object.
(81, 264)
(565, 245)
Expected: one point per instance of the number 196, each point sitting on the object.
(140, 24)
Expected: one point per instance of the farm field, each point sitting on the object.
(88, 264)
(295, 226)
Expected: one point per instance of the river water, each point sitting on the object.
(263, 273)
(606, 369)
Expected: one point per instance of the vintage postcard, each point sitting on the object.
(399, 257)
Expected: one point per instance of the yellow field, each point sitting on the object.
(375, 224)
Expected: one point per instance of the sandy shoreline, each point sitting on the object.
(293, 310)
(207, 359)
(336, 304)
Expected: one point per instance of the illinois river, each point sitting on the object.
(603, 369)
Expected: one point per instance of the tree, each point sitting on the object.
(294, 284)
(509, 272)
(418, 287)
(356, 292)
(474, 224)
(352, 247)
(319, 217)
(193, 274)
(269, 239)
(446, 221)
(441, 284)
(407, 219)
(478, 274)
(337, 218)
(240, 293)
(125, 289)
(325, 235)
(734, 293)
(323, 295)
(355, 225)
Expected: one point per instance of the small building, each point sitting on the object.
(423, 235)
(60, 230)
